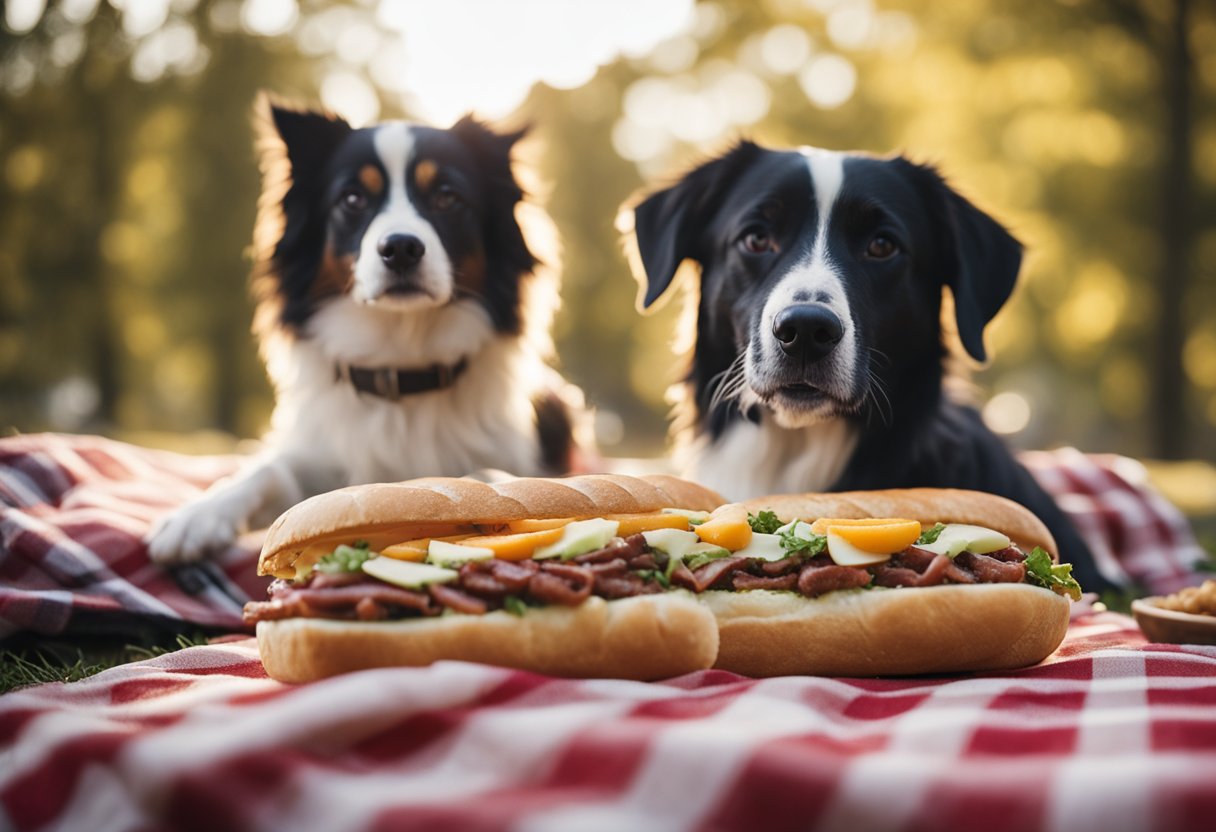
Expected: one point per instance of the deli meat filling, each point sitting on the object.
(623, 569)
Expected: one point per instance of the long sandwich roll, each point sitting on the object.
(883, 583)
(552, 576)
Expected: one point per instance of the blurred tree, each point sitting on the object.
(128, 183)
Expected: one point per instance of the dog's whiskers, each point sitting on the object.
(885, 359)
(728, 384)
(885, 411)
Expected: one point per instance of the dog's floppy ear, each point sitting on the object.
(980, 259)
(508, 256)
(309, 137)
(666, 223)
(504, 237)
(493, 152)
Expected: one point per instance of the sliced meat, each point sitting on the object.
(482, 583)
(1010, 554)
(496, 578)
(990, 570)
(612, 567)
(386, 594)
(682, 576)
(279, 608)
(743, 580)
(324, 580)
(785, 566)
(369, 610)
(513, 574)
(887, 575)
(716, 570)
(814, 581)
(457, 600)
(636, 544)
(935, 572)
(558, 583)
(915, 558)
(920, 567)
(626, 547)
(957, 575)
(624, 586)
(646, 561)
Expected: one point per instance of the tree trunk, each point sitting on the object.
(1170, 429)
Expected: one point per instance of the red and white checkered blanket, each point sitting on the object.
(1109, 734)
(74, 508)
(73, 511)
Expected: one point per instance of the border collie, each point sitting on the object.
(821, 357)
(402, 316)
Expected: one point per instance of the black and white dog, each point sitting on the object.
(402, 316)
(820, 360)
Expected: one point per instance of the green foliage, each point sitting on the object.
(127, 205)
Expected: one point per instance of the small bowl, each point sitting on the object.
(1170, 627)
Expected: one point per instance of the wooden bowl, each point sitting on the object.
(1170, 627)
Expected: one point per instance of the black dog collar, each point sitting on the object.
(391, 383)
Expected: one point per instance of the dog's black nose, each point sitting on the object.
(810, 330)
(400, 251)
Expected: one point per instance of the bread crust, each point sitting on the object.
(928, 505)
(895, 632)
(643, 638)
(422, 507)
(888, 632)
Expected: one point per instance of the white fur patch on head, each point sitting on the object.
(813, 279)
(394, 143)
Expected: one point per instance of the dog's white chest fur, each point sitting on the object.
(485, 420)
(751, 460)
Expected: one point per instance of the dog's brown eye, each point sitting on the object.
(757, 242)
(881, 248)
(353, 200)
(444, 198)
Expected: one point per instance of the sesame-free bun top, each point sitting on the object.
(385, 513)
(928, 505)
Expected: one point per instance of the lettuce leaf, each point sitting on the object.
(514, 605)
(766, 522)
(695, 562)
(345, 559)
(931, 535)
(654, 575)
(1056, 577)
(795, 544)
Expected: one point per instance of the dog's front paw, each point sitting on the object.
(194, 531)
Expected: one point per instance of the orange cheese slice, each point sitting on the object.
(726, 527)
(636, 523)
(416, 549)
(877, 535)
(400, 551)
(522, 526)
(514, 546)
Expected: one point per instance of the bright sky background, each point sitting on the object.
(485, 55)
(446, 58)
(443, 57)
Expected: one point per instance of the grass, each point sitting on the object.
(39, 662)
